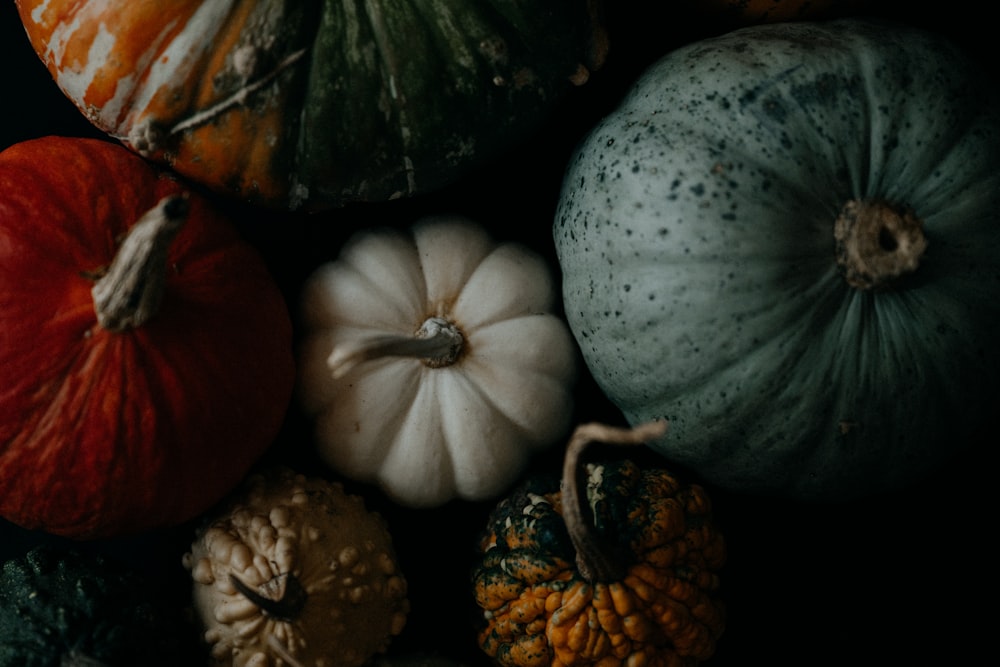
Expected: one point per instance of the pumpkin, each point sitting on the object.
(293, 571)
(145, 350)
(619, 567)
(433, 363)
(61, 607)
(785, 241)
(313, 104)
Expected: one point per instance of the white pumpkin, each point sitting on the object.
(433, 362)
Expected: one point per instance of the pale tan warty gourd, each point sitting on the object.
(295, 572)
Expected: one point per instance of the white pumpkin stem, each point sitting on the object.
(131, 289)
(437, 343)
(877, 243)
(594, 561)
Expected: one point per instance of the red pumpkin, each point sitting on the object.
(143, 367)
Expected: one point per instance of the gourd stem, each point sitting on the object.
(594, 560)
(437, 343)
(286, 608)
(132, 287)
(150, 136)
(877, 243)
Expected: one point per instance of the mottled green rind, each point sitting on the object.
(55, 603)
(694, 233)
(623, 490)
(404, 98)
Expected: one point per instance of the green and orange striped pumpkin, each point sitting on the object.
(314, 104)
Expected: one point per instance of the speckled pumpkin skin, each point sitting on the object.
(694, 233)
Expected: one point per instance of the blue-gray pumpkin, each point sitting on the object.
(786, 241)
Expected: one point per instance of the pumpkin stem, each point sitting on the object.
(150, 136)
(287, 607)
(877, 243)
(130, 291)
(594, 560)
(437, 343)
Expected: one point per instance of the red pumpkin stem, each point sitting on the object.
(594, 560)
(877, 243)
(437, 343)
(131, 290)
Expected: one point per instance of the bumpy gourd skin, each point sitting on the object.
(295, 569)
(64, 608)
(538, 611)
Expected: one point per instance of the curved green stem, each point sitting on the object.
(594, 560)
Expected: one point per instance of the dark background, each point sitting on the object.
(906, 577)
